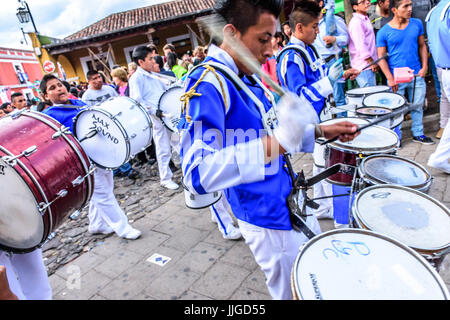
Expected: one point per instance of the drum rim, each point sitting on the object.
(119, 125)
(351, 94)
(391, 93)
(372, 115)
(343, 119)
(420, 258)
(198, 208)
(174, 87)
(42, 194)
(369, 178)
(339, 147)
(395, 186)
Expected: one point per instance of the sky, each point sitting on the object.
(58, 18)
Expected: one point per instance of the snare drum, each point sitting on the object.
(200, 201)
(388, 100)
(389, 169)
(353, 264)
(372, 140)
(357, 95)
(319, 150)
(373, 113)
(407, 215)
(171, 105)
(123, 130)
(45, 176)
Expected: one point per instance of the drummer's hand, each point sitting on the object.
(345, 130)
(392, 84)
(159, 114)
(351, 74)
(5, 291)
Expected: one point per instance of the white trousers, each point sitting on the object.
(220, 213)
(162, 138)
(441, 156)
(444, 107)
(104, 210)
(27, 276)
(275, 252)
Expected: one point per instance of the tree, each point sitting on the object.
(348, 10)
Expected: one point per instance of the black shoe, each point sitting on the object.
(133, 175)
(173, 167)
(423, 139)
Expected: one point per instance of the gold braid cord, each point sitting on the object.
(185, 98)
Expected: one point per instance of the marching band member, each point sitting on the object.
(224, 144)
(105, 214)
(221, 216)
(146, 88)
(300, 70)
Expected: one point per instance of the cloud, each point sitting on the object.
(59, 18)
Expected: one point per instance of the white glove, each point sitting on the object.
(294, 115)
(336, 71)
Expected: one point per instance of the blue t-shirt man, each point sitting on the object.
(402, 45)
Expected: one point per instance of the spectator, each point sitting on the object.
(172, 65)
(270, 67)
(287, 32)
(159, 67)
(18, 101)
(120, 79)
(403, 39)
(362, 45)
(329, 7)
(329, 55)
(2, 113)
(7, 107)
(380, 14)
(132, 67)
(98, 91)
(199, 55)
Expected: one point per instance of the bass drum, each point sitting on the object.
(45, 176)
(123, 129)
(171, 105)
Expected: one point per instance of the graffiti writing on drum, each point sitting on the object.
(2, 170)
(102, 127)
(345, 248)
(381, 195)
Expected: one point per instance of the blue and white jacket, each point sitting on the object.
(296, 75)
(65, 113)
(221, 148)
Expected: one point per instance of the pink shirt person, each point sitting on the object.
(362, 44)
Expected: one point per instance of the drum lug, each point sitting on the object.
(44, 206)
(12, 160)
(79, 180)
(117, 115)
(64, 130)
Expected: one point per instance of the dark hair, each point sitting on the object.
(152, 48)
(5, 105)
(45, 80)
(140, 53)
(160, 61)
(15, 95)
(42, 105)
(90, 74)
(304, 12)
(245, 13)
(395, 4)
(171, 60)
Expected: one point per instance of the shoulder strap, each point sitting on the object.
(315, 65)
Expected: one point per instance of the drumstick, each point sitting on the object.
(215, 26)
(375, 62)
(91, 134)
(381, 119)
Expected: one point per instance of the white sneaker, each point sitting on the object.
(170, 185)
(133, 234)
(106, 230)
(233, 233)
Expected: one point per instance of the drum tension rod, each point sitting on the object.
(79, 180)
(64, 130)
(44, 206)
(12, 160)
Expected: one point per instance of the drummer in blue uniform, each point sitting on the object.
(300, 70)
(225, 145)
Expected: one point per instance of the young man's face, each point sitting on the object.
(384, 5)
(56, 92)
(9, 108)
(258, 39)
(362, 6)
(404, 10)
(19, 102)
(308, 33)
(287, 30)
(96, 82)
(148, 63)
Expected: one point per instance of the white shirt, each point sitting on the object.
(146, 89)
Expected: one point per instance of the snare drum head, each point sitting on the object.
(375, 139)
(405, 214)
(373, 111)
(171, 105)
(394, 170)
(384, 99)
(353, 264)
(107, 149)
(367, 90)
(21, 225)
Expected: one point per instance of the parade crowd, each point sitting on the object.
(376, 29)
